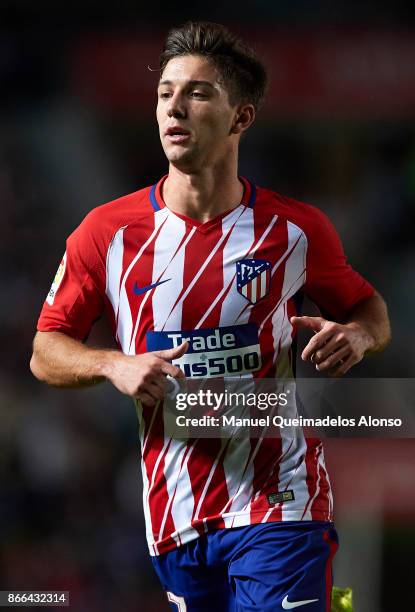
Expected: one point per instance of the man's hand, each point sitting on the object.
(334, 348)
(65, 362)
(144, 376)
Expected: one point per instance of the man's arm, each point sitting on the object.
(336, 347)
(64, 362)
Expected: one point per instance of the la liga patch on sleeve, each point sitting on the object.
(57, 281)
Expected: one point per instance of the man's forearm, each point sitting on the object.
(64, 362)
(371, 316)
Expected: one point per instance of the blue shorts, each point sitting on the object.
(266, 567)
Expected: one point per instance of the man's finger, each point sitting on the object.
(334, 360)
(314, 323)
(173, 353)
(146, 399)
(156, 391)
(342, 368)
(172, 370)
(317, 342)
(331, 346)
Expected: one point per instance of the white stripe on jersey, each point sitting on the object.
(229, 255)
(238, 244)
(251, 463)
(238, 461)
(292, 467)
(295, 264)
(281, 331)
(293, 474)
(146, 505)
(330, 491)
(281, 326)
(210, 256)
(254, 289)
(246, 309)
(177, 274)
(263, 284)
(239, 470)
(114, 269)
(308, 515)
(169, 263)
(179, 487)
(125, 322)
(149, 486)
(163, 248)
(239, 480)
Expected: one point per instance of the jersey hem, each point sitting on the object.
(182, 537)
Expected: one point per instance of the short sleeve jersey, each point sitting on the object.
(229, 286)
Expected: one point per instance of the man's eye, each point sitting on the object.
(197, 94)
(165, 94)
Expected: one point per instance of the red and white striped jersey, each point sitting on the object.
(230, 286)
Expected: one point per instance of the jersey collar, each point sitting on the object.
(248, 196)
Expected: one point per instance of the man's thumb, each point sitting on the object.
(173, 353)
(314, 323)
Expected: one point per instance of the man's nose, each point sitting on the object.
(176, 107)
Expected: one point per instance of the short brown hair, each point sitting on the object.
(243, 74)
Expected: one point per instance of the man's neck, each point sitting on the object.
(202, 195)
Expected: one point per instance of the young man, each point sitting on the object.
(204, 253)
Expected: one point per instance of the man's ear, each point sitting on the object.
(244, 117)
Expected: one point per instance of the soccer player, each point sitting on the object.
(199, 276)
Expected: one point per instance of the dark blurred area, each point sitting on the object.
(77, 129)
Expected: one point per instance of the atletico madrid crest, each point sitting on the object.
(253, 278)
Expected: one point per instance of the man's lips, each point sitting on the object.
(178, 138)
(177, 134)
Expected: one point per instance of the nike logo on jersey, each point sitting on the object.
(140, 290)
(290, 605)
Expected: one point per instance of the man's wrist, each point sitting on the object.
(369, 341)
(105, 363)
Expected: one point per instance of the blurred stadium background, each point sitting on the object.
(77, 128)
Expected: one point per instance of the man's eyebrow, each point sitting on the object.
(193, 82)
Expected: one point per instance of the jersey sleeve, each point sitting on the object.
(331, 282)
(76, 298)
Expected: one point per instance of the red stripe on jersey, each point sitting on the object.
(220, 298)
(280, 270)
(166, 511)
(139, 273)
(208, 480)
(147, 314)
(278, 235)
(270, 487)
(265, 479)
(208, 285)
(291, 312)
(153, 457)
(229, 503)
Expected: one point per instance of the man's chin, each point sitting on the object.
(183, 160)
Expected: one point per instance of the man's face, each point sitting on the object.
(194, 114)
